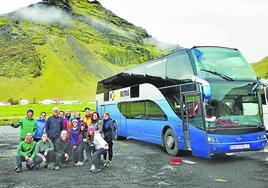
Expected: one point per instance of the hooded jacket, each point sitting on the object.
(54, 126)
(42, 147)
(40, 127)
(26, 149)
(108, 129)
(26, 125)
(75, 136)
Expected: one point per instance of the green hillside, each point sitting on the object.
(64, 56)
(261, 68)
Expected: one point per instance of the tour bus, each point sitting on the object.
(205, 99)
(264, 96)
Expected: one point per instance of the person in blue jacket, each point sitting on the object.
(40, 126)
(54, 125)
(108, 132)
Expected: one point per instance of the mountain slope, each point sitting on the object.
(261, 68)
(54, 51)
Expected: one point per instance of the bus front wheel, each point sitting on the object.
(170, 143)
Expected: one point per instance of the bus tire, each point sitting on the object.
(170, 143)
(116, 137)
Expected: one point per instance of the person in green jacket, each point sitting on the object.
(26, 153)
(27, 124)
(44, 152)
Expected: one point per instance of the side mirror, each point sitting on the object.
(205, 85)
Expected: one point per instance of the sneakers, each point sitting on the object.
(57, 168)
(30, 166)
(18, 170)
(107, 164)
(79, 163)
(93, 168)
(50, 166)
(43, 164)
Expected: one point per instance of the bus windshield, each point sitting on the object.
(233, 104)
(216, 63)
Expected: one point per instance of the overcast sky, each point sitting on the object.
(240, 24)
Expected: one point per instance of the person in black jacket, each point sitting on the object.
(108, 132)
(62, 149)
(54, 125)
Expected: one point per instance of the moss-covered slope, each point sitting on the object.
(261, 68)
(49, 51)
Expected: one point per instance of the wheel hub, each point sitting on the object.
(170, 141)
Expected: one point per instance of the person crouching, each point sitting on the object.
(44, 151)
(101, 147)
(62, 150)
(25, 153)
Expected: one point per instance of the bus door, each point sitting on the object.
(195, 135)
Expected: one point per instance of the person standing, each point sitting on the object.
(54, 125)
(97, 123)
(62, 149)
(76, 137)
(62, 114)
(101, 147)
(40, 126)
(44, 152)
(67, 121)
(27, 124)
(87, 118)
(108, 132)
(26, 153)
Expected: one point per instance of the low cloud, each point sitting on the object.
(44, 15)
(162, 45)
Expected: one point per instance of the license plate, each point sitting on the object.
(241, 146)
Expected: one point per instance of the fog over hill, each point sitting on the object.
(60, 49)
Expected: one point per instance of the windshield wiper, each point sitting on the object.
(225, 77)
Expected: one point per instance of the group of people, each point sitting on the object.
(62, 138)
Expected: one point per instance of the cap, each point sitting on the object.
(73, 120)
(30, 110)
(87, 108)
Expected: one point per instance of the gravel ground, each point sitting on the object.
(139, 164)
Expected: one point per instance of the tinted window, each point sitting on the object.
(142, 110)
(179, 66)
(137, 110)
(157, 68)
(124, 109)
(134, 91)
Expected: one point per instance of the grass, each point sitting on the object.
(261, 68)
(13, 113)
(40, 61)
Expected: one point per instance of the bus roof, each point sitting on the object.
(175, 51)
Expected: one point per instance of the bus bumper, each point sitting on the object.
(217, 148)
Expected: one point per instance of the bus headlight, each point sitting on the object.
(261, 137)
(213, 139)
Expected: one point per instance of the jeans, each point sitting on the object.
(110, 151)
(20, 159)
(96, 156)
(78, 153)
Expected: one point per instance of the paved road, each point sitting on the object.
(139, 164)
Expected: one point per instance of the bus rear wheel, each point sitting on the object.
(170, 143)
